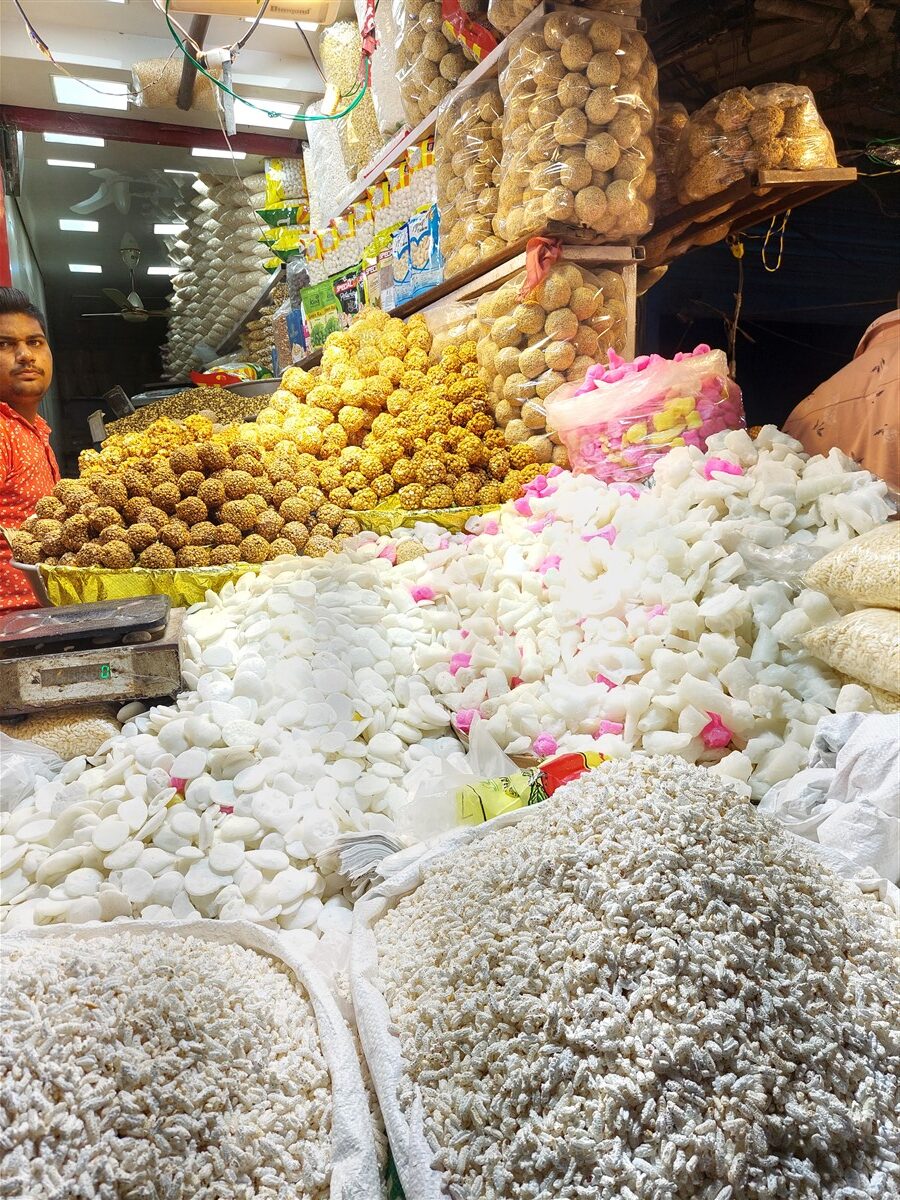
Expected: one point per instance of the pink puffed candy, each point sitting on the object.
(544, 745)
(422, 592)
(390, 553)
(516, 682)
(491, 527)
(522, 507)
(464, 633)
(178, 784)
(626, 489)
(540, 525)
(464, 718)
(548, 564)
(605, 680)
(227, 809)
(554, 470)
(658, 610)
(459, 662)
(723, 466)
(715, 733)
(444, 543)
(609, 727)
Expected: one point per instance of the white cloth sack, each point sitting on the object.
(846, 804)
(355, 1170)
(403, 873)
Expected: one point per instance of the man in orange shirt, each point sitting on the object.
(28, 468)
(858, 409)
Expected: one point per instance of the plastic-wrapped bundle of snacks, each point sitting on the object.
(864, 645)
(467, 154)
(672, 120)
(776, 125)
(431, 59)
(531, 344)
(863, 571)
(327, 174)
(625, 417)
(341, 51)
(505, 15)
(580, 104)
(385, 89)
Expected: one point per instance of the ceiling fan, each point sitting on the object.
(131, 307)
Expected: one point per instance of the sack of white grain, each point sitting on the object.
(385, 88)
(865, 570)
(232, 1041)
(327, 176)
(68, 732)
(864, 645)
(340, 48)
(561, 1005)
(580, 105)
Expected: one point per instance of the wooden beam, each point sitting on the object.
(152, 133)
(196, 32)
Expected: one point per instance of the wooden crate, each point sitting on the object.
(755, 198)
(493, 272)
(142, 671)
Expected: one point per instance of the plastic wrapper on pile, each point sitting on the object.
(623, 418)
(533, 342)
(430, 60)
(88, 585)
(467, 153)
(865, 571)
(340, 49)
(505, 15)
(327, 174)
(451, 323)
(776, 125)
(385, 88)
(864, 645)
(68, 732)
(580, 105)
(672, 120)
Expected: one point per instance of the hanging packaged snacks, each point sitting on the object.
(672, 120)
(417, 261)
(340, 48)
(467, 154)
(540, 330)
(505, 15)
(285, 183)
(327, 176)
(385, 89)
(776, 125)
(580, 105)
(431, 60)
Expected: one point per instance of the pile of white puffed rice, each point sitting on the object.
(150, 1066)
(644, 991)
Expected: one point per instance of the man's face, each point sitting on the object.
(26, 364)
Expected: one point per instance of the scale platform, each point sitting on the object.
(89, 653)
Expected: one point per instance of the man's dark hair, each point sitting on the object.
(13, 301)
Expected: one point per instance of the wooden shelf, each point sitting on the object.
(756, 198)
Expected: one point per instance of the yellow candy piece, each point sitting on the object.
(663, 438)
(682, 405)
(693, 420)
(678, 441)
(636, 433)
(666, 419)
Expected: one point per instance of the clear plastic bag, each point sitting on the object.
(340, 49)
(530, 346)
(451, 323)
(385, 89)
(505, 15)
(624, 418)
(580, 103)
(22, 764)
(865, 570)
(776, 125)
(327, 176)
(673, 118)
(431, 60)
(467, 152)
(864, 645)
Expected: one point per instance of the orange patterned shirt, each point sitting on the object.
(28, 471)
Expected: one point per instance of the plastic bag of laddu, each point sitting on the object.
(385, 88)
(505, 15)
(22, 764)
(865, 570)
(624, 417)
(340, 48)
(535, 338)
(864, 645)
(451, 323)
(467, 152)
(673, 118)
(743, 130)
(580, 106)
(436, 51)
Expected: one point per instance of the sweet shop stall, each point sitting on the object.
(452, 748)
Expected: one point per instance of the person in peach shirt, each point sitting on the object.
(28, 468)
(858, 409)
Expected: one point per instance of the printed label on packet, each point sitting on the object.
(480, 802)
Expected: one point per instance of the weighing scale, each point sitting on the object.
(89, 653)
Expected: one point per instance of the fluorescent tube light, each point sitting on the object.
(162, 270)
(73, 139)
(85, 269)
(90, 93)
(69, 225)
(70, 162)
(163, 228)
(202, 152)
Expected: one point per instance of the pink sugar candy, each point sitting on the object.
(540, 525)
(464, 718)
(544, 745)
(722, 465)
(522, 507)
(444, 543)
(609, 727)
(547, 564)
(490, 528)
(604, 679)
(390, 553)
(178, 784)
(459, 662)
(608, 533)
(554, 470)
(716, 733)
(516, 682)
(227, 809)
(626, 489)
(464, 633)
(658, 610)
(421, 592)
